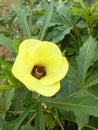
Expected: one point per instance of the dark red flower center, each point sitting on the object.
(38, 71)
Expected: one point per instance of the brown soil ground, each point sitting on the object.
(5, 5)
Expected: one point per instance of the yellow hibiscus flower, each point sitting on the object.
(40, 66)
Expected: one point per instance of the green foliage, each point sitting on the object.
(5, 100)
(73, 26)
(39, 120)
(90, 14)
(86, 58)
(79, 105)
(6, 42)
(23, 23)
(46, 21)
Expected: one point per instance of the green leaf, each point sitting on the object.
(23, 23)
(86, 58)
(93, 124)
(6, 42)
(18, 99)
(2, 75)
(64, 14)
(96, 53)
(87, 105)
(82, 120)
(16, 44)
(2, 87)
(60, 33)
(2, 121)
(70, 84)
(83, 12)
(81, 106)
(80, 9)
(9, 98)
(47, 18)
(27, 127)
(15, 124)
(93, 90)
(4, 64)
(6, 100)
(92, 80)
(39, 120)
(82, 24)
(49, 121)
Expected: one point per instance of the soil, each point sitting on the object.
(5, 5)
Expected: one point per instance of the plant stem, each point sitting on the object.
(91, 127)
(31, 119)
(20, 112)
(59, 123)
(74, 38)
(57, 119)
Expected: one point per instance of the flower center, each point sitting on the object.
(38, 71)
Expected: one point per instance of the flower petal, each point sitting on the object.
(34, 52)
(48, 90)
(22, 66)
(29, 45)
(54, 77)
(48, 55)
(35, 85)
(43, 53)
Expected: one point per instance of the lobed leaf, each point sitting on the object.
(92, 80)
(82, 107)
(23, 23)
(86, 58)
(85, 105)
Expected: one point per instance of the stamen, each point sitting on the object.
(38, 71)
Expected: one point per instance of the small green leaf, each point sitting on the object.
(19, 97)
(16, 44)
(60, 33)
(6, 100)
(6, 42)
(49, 121)
(2, 87)
(39, 120)
(80, 9)
(4, 64)
(9, 98)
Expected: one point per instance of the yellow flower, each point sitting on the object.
(40, 66)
